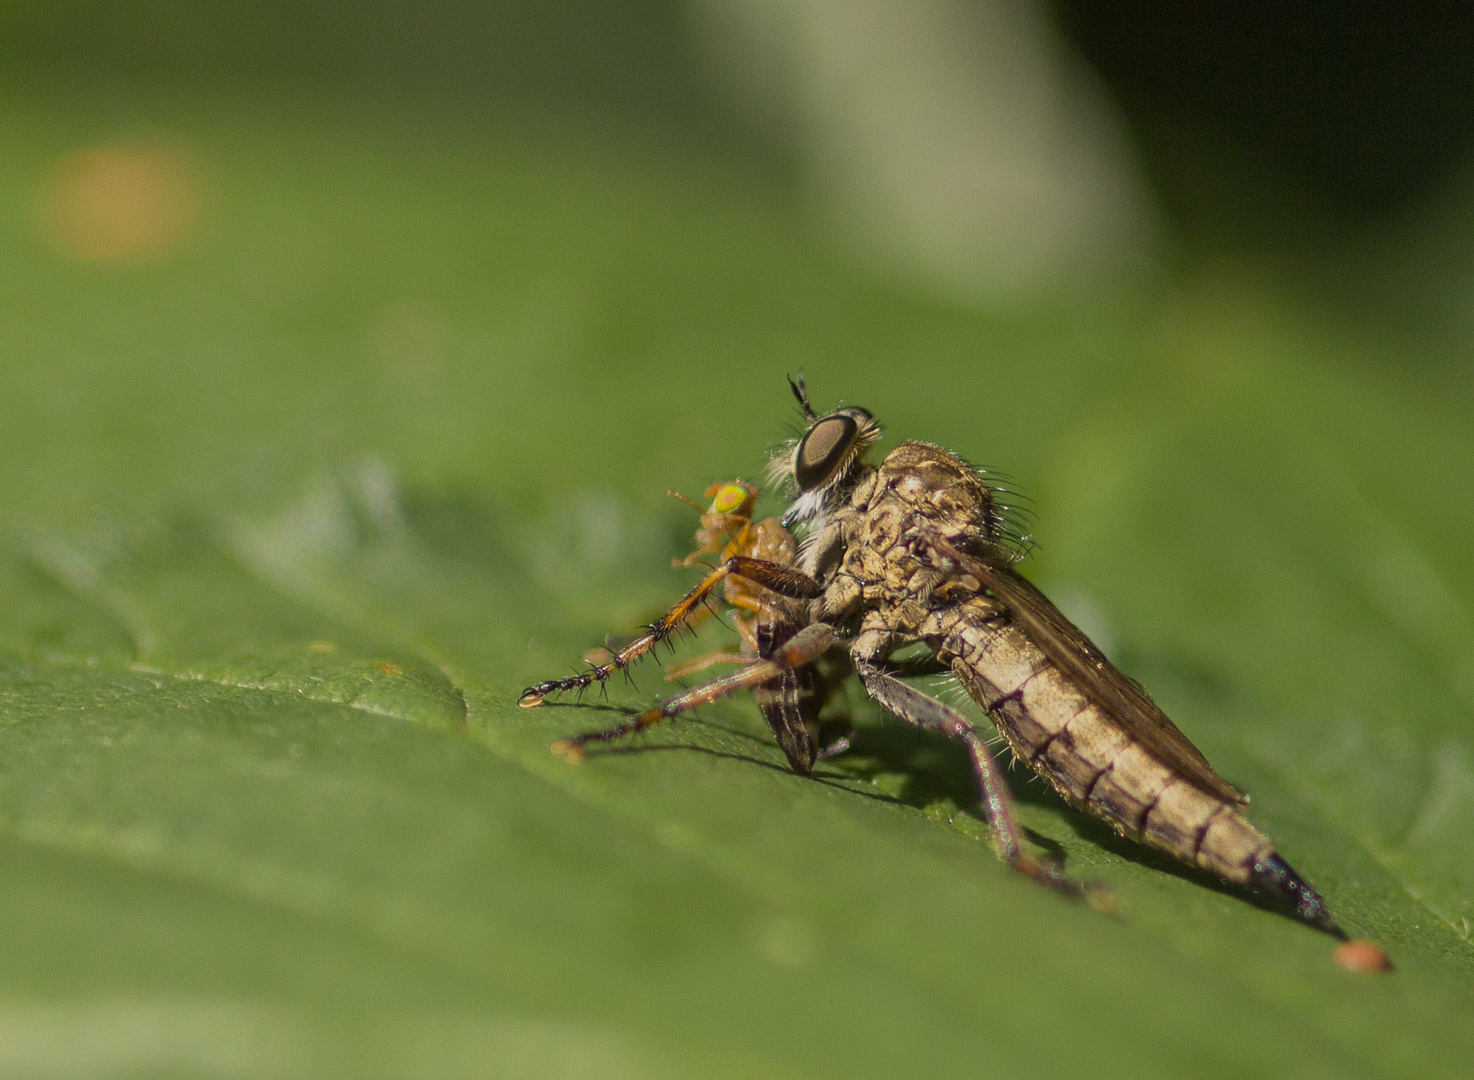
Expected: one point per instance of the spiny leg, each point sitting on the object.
(741, 655)
(686, 611)
(917, 708)
(783, 580)
(803, 648)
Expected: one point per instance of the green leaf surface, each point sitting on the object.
(291, 518)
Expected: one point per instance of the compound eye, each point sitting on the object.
(823, 450)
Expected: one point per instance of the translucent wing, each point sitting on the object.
(790, 702)
(1076, 655)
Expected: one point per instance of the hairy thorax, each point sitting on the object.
(870, 551)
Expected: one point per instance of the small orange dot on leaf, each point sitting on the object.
(1362, 955)
(388, 668)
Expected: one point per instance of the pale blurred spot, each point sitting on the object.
(121, 203)
(787, 942)
(409, 340)
(149, 1036)
(956, 141)
(1080, 608)
(515, 1048)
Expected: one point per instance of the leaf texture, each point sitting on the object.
(290, 519)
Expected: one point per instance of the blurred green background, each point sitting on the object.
(348, 352)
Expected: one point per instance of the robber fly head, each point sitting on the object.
(821, 459)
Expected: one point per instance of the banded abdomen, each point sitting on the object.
(1084, 753)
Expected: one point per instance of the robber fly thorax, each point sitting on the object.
(918, 552)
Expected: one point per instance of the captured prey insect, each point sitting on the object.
(918, 551)
(727, 529)
(790, 696)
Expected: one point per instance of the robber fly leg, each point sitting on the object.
(928, 664)
(803, 648)
(917, 708)
(783, 580)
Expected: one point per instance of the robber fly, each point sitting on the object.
(918, 551)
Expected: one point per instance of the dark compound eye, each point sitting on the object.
(823, 450)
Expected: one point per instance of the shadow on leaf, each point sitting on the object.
(933, 769)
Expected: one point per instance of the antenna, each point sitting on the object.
(800, 391)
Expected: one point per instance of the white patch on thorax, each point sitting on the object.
(810, 550)
(810, 508)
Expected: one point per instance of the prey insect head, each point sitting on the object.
(732, 497)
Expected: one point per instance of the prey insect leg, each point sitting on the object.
(783, 580)
(804, 647)
(917, 708)
(704, 661)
